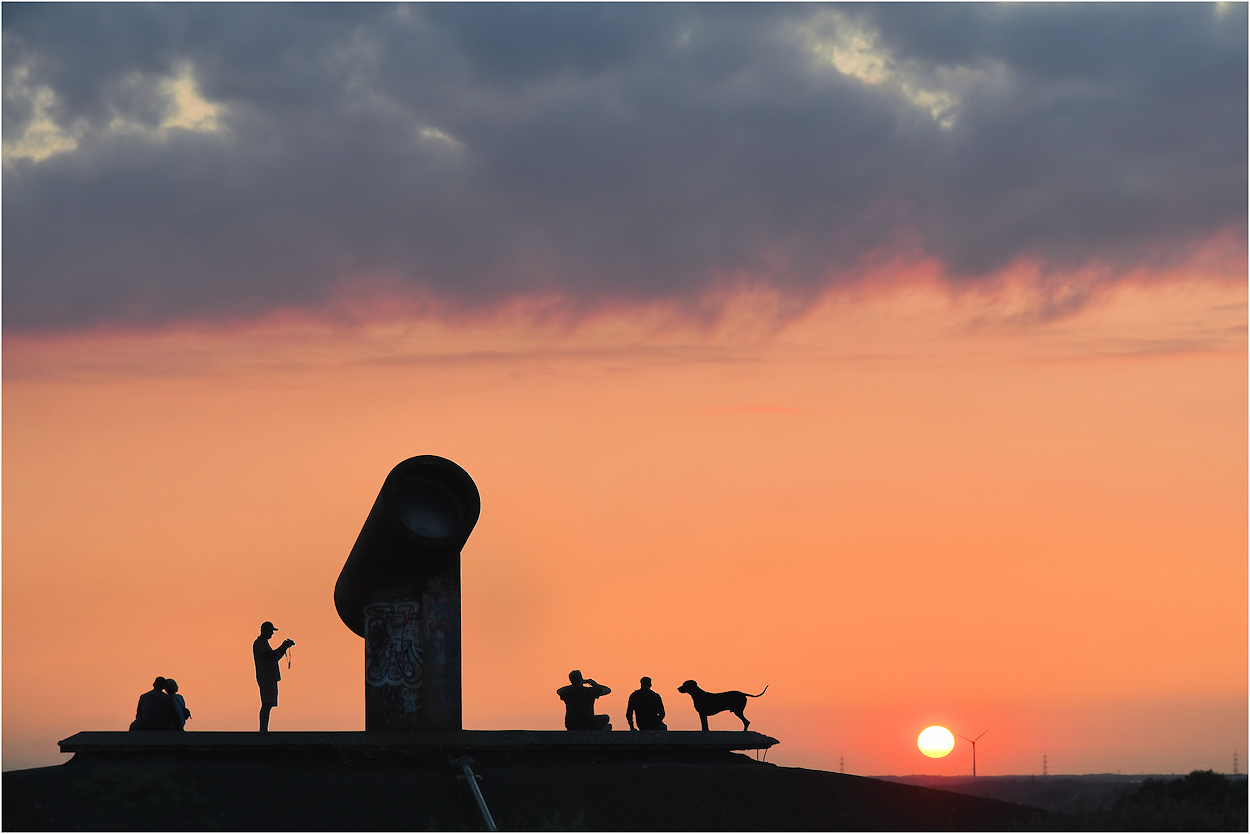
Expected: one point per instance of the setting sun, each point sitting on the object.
(935, 742)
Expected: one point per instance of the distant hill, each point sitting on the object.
(736, 794)
(1199, 801)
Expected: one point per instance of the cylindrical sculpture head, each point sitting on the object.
(400, 590)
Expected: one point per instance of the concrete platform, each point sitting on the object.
(481, 745)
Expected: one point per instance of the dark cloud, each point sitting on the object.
(608, 153)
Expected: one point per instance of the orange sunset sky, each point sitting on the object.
(955, 434)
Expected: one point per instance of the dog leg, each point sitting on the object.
(703, 718)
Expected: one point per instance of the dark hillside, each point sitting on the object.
(1200, 801)
(736, 795)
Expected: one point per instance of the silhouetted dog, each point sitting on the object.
(710, 703)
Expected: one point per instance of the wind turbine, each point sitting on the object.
(973, 742)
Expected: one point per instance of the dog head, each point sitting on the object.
(688, 687)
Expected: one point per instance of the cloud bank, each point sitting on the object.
(183, 162)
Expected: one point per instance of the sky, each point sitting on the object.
(890, 356)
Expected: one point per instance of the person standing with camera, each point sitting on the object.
(267, 674)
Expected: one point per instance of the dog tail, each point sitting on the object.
(749, 695)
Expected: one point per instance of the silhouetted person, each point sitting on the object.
(267, 674)
(181, 713)
(156, 709)
(579, 703)
(648, 706)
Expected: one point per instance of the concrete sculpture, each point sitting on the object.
(400, 591)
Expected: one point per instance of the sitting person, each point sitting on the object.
(579, 703)
(181, 713)
(648, 706)
(156, 709)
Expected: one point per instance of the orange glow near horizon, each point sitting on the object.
(733, 505)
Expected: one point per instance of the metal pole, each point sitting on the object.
(469, 777)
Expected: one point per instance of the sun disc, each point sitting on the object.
(935, 742)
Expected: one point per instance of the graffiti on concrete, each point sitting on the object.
(438, 617)
(393, 649)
